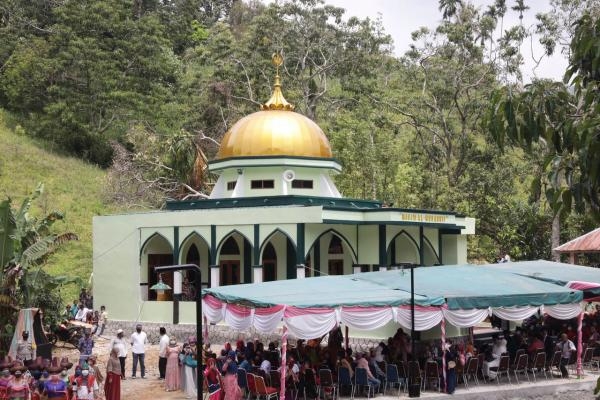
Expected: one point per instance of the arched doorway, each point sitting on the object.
(278, 257)
(230, 262)
(195, 250)
(336, 256)
(156, 252)
(269, 263)
(330, 254)
(403, 249)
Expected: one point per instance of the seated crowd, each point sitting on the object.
(540, 339)
(50, 379)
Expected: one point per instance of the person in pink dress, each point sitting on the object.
(230, 383)
(173, 374)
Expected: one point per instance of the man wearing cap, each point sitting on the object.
(85, 347)
(163, 345)
(138, 349)
(25, 349)
(120, 345)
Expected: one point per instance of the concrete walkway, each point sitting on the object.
(550, 389)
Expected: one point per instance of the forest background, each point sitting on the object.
(116, 105)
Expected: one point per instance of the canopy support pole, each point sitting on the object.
(347, 338)
(579, 345)
(443, 329)
(284, 337)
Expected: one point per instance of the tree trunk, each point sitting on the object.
(555, 241)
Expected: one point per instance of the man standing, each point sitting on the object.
(102, 320)
(25, 349)
(120, 345)
(138, 348)
(86, 344)
(566, 347)
(162, 352)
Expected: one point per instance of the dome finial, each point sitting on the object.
(277, 101)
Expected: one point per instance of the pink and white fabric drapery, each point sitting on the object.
(308, 323)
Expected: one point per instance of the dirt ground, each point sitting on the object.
(149, 388)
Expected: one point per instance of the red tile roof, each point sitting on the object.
(588, 243)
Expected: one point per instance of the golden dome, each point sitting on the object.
(275, 131)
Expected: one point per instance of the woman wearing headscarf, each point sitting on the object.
(212, 375)
(172, 374)
(18, 387)
(112, 385)
(230, 384)
(190, 363)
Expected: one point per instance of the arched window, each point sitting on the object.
(230, 247)
(335, 245)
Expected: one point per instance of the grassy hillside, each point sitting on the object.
(71, 186)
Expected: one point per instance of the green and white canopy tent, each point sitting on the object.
(463, 295)
(586, 279)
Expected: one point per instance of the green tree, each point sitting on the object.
(566, 124)
(96, 72)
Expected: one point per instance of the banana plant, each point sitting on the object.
(25, 242)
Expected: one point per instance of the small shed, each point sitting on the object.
(588, 243)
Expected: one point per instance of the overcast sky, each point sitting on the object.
(402, 17)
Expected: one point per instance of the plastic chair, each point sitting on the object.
(432, 373)
(502, 368)
(555, 363)
(275, 379)
(539, 364)
(471, 371)
(403, 375)
(392, 377)
(520, 366)
(414, 373)
(251, 380)
(326, 383)
(216, 395)
(344, 379)
(310, 382)
(480, 361)
(517, 355)
(588, 355)
(263, 390)
(361, 379)
(242, 379)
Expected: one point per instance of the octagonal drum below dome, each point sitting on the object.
(275, 133)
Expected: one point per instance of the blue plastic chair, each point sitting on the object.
(361, 379)
(392, 377)
(344, 379)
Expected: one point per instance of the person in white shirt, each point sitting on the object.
(566, 348)
(81, 313)
(121, 345)
(138, 349)
(266, 366)
(498, 349)
(163, 345)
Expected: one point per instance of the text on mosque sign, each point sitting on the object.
(416, 217)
